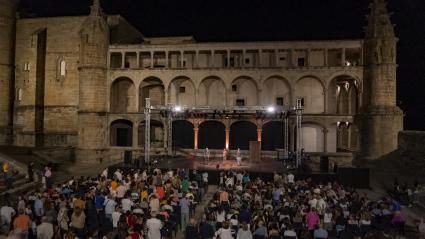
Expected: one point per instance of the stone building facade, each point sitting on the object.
(82, 81)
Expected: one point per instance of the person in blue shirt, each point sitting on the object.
(99, 200)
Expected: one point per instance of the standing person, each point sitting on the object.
(45, 229)
(207, 155)
(154, 226)
(184, 210)
(244, 232)
(48, 176)
(30, 171)
(238, 157)
(224, 155)
(6, 213)
(22, 223)
(192, 230)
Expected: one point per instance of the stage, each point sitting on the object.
(266, 165)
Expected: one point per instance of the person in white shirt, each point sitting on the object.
(290, 178)
(7, 213)
(116, 216)
(225, 232)
(289, 232)
(126, 204)
(238, 156)
(118, 175)
(244, 232)
(154, 203)
(45, 229)
(154, 226)
(109, 207)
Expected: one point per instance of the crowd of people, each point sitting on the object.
(156, 204)
(135, 204)
(287, 209)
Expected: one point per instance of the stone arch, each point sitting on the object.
(311, 89)
(153, 88)
(157, 134)
(183, 134)
(272, 136)
(339, 98)
(182, 91)
(246, 88)
(241, 132)
(123, 95)
(276, 86)
(212, 92)
(121, 133)
(212, 135)
(312, 137)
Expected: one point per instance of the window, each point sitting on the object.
(234, 88)
(182, 89)
(279, 101)
(301, 61)
(184, 63)
(61, 69)
(27, 66)
(282, 58)
(240, 102)
(127, 64)
(247, 60)
(19, 94)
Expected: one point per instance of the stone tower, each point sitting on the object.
(7, 52)
(380, 119)
(92, 119)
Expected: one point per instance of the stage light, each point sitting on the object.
(177, 109)
(270, 109)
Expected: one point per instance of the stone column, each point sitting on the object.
(259, 58)
(325, 96)
(122, 60)
(166, 59)
(181, 59)
(308, 57)
(325, 139)
(276, 57)
(138, 60)
(212, 64)
(195, 137)
(325, 51)
(227, 137)
(152, 59)
(228, 58)
(165, 135)
(259, 133)
(243, 58)
(196, 63)
(135, 134)
(343, 57)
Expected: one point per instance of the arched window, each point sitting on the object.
(61, 69)
(19, 94)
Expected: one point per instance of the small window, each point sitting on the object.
(301, 61)
(184, 63)
(247, 60)
(127, 64)
(232, 61)
(61, 69)
(27, 66)
(240, 102)
(182, 89)
(282, 58)
(279, 101)
(234, 88)
(19, 94)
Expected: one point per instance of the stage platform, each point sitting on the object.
(355, 177)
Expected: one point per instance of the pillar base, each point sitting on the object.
(379, 128)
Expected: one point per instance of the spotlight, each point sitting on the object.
(270, 109)
(177, 109)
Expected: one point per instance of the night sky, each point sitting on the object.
(251, 20)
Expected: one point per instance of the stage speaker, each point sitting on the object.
(127, 157)
(324, 164)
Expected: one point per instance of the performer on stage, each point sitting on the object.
(224, 155)
(238, 157)
(207, 154)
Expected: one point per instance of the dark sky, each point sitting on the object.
(248, 20)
